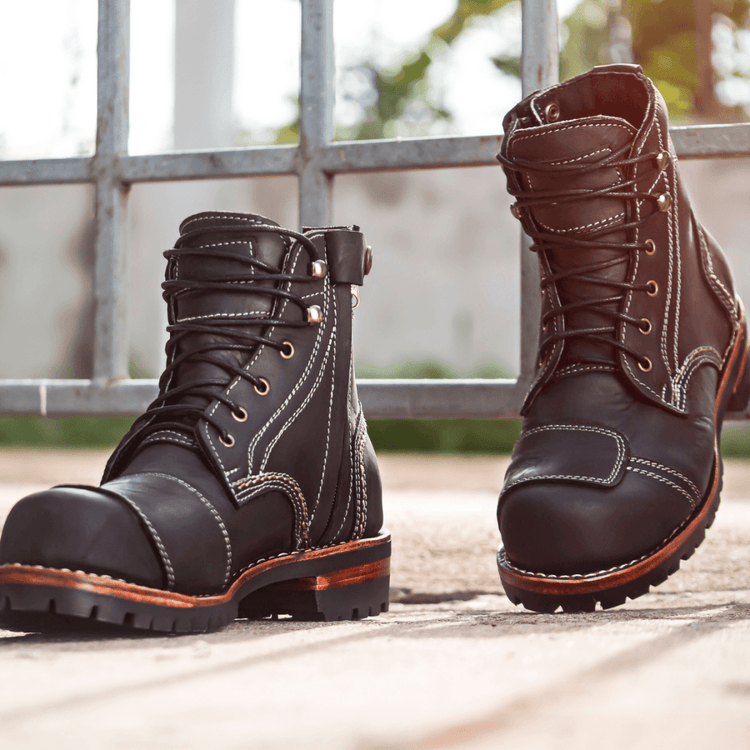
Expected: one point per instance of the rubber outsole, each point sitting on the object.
(548, 594)
(346, 582)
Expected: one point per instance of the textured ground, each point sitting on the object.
(452, 665)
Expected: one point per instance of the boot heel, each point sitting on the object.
(350, 594)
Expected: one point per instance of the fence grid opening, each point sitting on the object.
(315, 161)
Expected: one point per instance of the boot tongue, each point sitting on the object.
(212, 234)
(571, 143)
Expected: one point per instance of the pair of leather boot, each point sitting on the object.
(250, 487)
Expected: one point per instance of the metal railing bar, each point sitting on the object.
(46, 171)
(316, 111)
(110, 277)
(410, 153)
(258, 161)
(339, 157)
(381, 399)
(539, 69)
(711, 141)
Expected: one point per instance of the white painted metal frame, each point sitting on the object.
(315, 161)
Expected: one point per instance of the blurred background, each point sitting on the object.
(443, 297)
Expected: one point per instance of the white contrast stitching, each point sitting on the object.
(576, 428)
(690, 498)
(662, 467)
(154, 534)
(214, 513)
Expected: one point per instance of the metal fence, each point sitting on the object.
(315, 161)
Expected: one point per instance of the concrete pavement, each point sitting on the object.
(452, 665)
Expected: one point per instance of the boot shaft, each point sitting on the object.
(260, 363)
(630, 280)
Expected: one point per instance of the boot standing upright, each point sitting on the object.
(249, 486)
(642, 350)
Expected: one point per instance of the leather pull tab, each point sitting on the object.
(347, 253)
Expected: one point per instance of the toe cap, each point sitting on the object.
(566, 529)
(81, 529)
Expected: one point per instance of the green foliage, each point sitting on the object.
(664, 43)
(63, 432)
(441, 435)
(405, 86)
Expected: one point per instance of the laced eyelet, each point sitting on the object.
(266, 390)
(662, 160)
(288, 351)
(314, 315)
(552, 112)
(664, 202)
(646, 365)
(652, 246)
(240, 415)
(227, 442)
(645, 326)
(319, 269)
(653, 289)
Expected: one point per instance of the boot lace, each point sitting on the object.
(546, 240)
(170, 411)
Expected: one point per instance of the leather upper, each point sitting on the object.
(618, 446)
(299, 471)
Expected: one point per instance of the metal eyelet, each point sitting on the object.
(653, 289)
(552, 112)
(662, 160)
(314, 315)
(515, 209)
(647, 367)
(319, 269)
(288, 352)
(664, 202)
(240, 415)
(228, 443)
(652, 245)
(368, 260)
(267, 389)
(645, 326)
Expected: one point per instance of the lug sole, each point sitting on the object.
(346, 582)
(547, 594)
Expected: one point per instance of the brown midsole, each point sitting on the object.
(38, 576)
(609, 580)
(349, 577)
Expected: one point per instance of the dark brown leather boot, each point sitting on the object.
(250, 486)
(643, 347)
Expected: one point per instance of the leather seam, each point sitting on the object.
(214, 513)
(576, 428)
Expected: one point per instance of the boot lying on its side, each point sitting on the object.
(643, 348)
(249, 487)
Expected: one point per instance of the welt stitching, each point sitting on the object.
(584, 576)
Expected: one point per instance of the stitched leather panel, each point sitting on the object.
(585, 454)
(191, 537)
